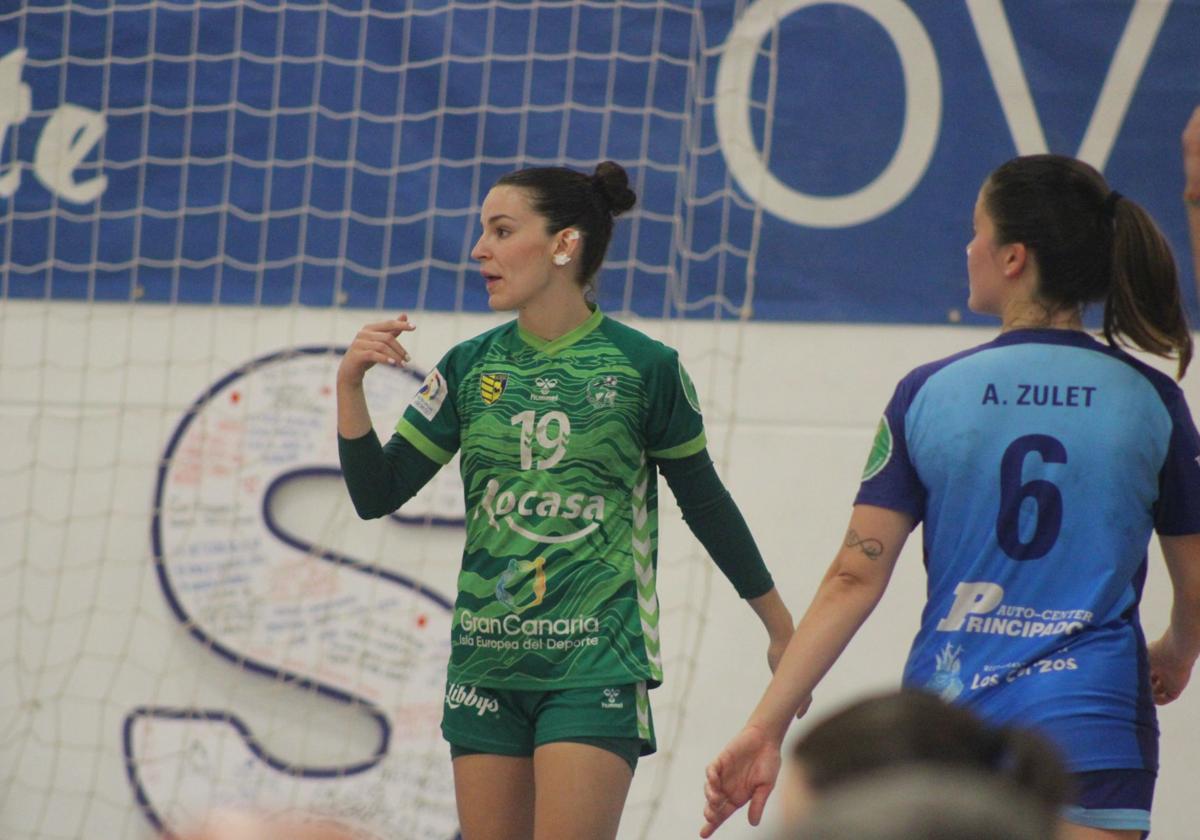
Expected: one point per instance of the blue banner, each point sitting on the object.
(795, 160)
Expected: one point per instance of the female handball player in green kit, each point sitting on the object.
(563, 418)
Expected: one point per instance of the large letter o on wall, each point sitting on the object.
(922, 117)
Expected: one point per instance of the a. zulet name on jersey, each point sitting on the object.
(978, 608)
(1055, 396)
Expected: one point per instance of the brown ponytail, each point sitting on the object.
(1144, 304)
(1092, 244)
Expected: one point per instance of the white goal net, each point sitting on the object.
(200, 202)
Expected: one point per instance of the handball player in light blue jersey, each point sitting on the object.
(1040, 464)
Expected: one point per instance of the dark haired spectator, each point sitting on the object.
(906, 728)
(927, 802)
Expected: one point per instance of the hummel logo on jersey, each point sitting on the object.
(611, 696)
(491, 386)
(545, 385)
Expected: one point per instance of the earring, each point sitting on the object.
(561, 259)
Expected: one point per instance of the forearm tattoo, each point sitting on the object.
(868, 546)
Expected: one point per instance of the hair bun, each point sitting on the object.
(611, 183)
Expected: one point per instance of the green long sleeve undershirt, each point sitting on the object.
(713, 516)
(382, 478)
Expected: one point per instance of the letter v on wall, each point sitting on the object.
(1124, 73)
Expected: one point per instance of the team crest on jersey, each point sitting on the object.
(946, 681)
(881, 450)
(689, 390)
(602, 391)
(491, 386)
(428, 400)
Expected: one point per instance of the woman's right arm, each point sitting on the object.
(375, 344)
(1173, 655)
(746, 769)
(380, 479)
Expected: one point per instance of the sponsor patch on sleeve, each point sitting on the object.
(881, 450)
(428, 400)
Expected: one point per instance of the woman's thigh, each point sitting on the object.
(495, 796)
(581, 791)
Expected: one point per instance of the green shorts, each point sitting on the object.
(511, 722)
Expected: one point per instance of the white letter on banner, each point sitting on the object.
(922, 116)
(67, 138)
(1129, 60)
(16, 102)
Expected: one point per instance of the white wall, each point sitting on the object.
(89, 396)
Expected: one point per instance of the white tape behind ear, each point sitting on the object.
(572, 235)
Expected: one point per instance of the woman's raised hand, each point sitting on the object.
(375, 344)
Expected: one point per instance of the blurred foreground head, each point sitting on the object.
(927, 803)
(249, 825)
(902, 729)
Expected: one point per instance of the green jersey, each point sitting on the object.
(557, 588)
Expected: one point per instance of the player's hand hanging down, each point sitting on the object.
(1191, 158)
(744, 772)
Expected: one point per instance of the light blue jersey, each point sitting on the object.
(1040, 463)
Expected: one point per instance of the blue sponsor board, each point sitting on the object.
(796, 160)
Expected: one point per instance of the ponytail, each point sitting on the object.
(1092, 244)
(1144, 305)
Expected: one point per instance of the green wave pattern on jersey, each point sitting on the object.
(552, 451)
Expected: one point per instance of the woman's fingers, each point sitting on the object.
(393, 327)
(380, 346)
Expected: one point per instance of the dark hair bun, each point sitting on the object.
(611, 182)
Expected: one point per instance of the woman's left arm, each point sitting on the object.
(777, 619)
(1191, 186)
(714, 518)
(745, 771)
(1174, 654)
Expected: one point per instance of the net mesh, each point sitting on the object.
(200, 203)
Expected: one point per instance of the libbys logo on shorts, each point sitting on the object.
(465, 695)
